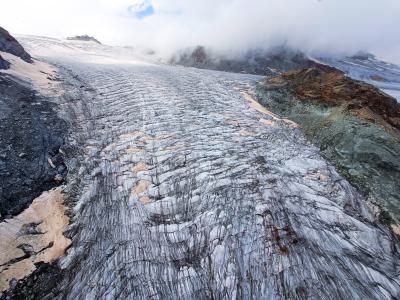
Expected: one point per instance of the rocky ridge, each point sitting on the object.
(368, 68)
(31, 133)
(32, 136)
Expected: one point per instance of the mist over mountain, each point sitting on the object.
(258, 61)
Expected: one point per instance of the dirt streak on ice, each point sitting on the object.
(35, 235)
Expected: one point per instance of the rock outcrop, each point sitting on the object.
(354, 124)
(370, 69)
(85, 38)
(10, 45)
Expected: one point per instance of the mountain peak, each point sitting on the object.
(85, 38)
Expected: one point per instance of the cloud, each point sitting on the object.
(228, 26)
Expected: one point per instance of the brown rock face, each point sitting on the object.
(326, 84)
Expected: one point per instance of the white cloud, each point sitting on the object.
(229, 26)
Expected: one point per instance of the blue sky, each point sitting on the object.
(141, 10)
(228, 26)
